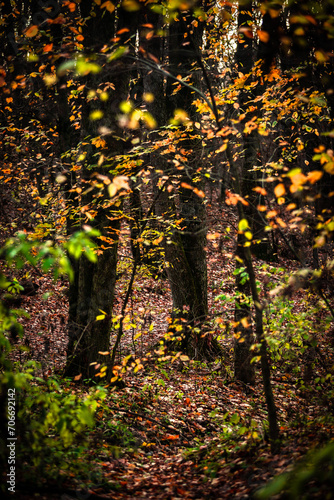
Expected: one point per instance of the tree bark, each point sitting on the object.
(92, 291)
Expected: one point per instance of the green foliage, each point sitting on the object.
(118, 435)
(51, 423)
(20, 250)
(14, 286)
(312, 476)
(235, 433)
(290, 332)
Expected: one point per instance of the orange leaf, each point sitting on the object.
(172, 438)
(199, 193)
(123, 30)
(279, 190)
(109, 6)
(280, 222)
(48, 47)
(263, 36)
(246, 31)
(314, 176)
(32, 31)
(260, 190)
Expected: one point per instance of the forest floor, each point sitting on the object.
(185, 429)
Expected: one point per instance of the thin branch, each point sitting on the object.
(143, 415)
(133, 274)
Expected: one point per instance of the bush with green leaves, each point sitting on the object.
(290, 332)
(51, 423)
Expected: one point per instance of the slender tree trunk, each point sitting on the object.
(265, 364)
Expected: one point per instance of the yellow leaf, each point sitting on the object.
(183, 357)
(149, 120)
(212, 236)
(112, 190)
(158, 240)
(119, 182)
(130, 5)
(222, 148)
(50, 80)
(298, 179)
(320, 242)
(148, 97)
(104, 353)
(96, 115)
(98, 142)
(321, 56)
(137, 368)
(243, 225)
(329, 167)
(180, 116)
(122, 182)
(280, 222)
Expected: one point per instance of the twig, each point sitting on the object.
(143, 415)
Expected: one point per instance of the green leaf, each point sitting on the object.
(235, 418)
(119, 52)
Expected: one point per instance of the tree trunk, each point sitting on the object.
(92, 291)
(185, 254)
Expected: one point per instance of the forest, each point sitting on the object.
(166, 249)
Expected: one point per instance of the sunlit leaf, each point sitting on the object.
(243, 225)
(96, 115)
